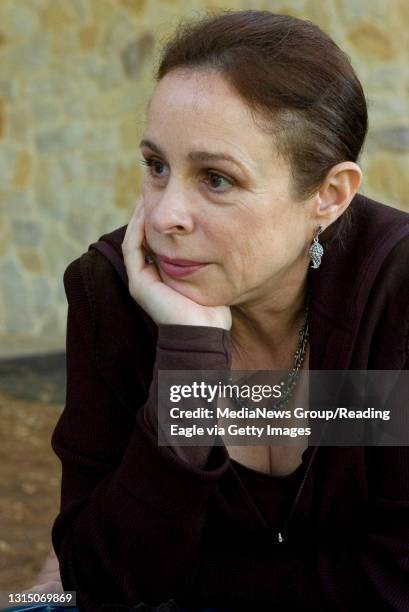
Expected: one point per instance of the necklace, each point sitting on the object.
(291, 382)
(293, 376)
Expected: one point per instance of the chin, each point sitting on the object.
(195, 293)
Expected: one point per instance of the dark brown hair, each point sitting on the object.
(289, 72)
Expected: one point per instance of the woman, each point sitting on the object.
(249, 243)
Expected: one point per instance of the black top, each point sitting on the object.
(139, 524)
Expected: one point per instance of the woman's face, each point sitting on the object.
(215, 192)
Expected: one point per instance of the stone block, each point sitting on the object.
(41, 295)
(88, 37)
(63, 44)
(57, 249)
(53, 83)
(102, 13)
(23, 169)
(322, 14)
(37, 5)
(31, 55)
(19, 316)
(5, 235)
(61, 138)
(372, 42)
(16, 202)
(135, 7)
(128, 183)
(65, 168)
(46, 110)
(111, 76)
(26, 232)
(75, 106)
(79, 224)
(115, 103)
(384, 107)
(53, 201)
(92, 66)
(96, 197)
(17, 124)
(2, 117)
(131, 133)
(2, 314)
(388, 175)
(51, 322)
(22, 20)
(119, 32)
(112, 219)
(57, 15)
(100, 169)
(390, 139)
(393, 76)
(349, 12)
(59, 289)
(81, 10)
(135, 54)
(102, 137)
(30, 260)
(9, 88)
(8, 157)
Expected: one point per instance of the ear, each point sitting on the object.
(336, 192)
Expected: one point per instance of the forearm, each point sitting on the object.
(136, 537)
(132, 513)
(183, 347)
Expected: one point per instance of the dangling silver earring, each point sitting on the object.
(316, 250)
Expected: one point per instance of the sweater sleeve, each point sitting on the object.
(132, 512)
(187, 347)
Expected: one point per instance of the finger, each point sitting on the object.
(132, 230)
(132, 245)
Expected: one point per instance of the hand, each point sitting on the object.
(163, 304)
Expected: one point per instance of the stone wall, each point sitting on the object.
(75, 76)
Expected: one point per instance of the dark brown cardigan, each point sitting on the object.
(138, 524)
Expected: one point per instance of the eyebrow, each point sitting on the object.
(196, 156)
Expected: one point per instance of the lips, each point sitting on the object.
(179, 267)
(179, 262)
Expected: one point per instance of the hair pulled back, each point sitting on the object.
(293, 77)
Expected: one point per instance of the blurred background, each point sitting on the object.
(75, 76)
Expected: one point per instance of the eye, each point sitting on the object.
(218, 182)
(215, 181)
(155, 166)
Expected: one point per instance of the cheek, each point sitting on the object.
(260, 250)
(242, 263)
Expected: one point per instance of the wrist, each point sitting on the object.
(198, 338)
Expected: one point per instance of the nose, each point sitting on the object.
(171, 211)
